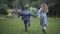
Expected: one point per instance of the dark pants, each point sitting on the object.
(27, 23)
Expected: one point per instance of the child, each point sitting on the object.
(43, 17)
(26, 17)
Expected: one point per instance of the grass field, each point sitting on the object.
(16, 26)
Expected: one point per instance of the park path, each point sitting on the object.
(1, 18)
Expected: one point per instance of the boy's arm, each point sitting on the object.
(33, 15)
(21, 13)
(38, 13)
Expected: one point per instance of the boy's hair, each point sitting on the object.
(44, 7)
(26, 6)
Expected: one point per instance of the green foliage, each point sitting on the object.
(33, 4)
(33, 10)
(6, 4)
(14, 3)
(3, 6)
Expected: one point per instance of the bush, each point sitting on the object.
(3, 8)
(34, 4)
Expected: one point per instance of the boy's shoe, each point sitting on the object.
(26, 30)
(44, 31)
(29, 25)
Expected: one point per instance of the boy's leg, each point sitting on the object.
(44, 29)
(26, 26)
(28, 23)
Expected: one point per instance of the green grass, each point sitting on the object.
(16, 26)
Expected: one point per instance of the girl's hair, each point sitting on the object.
(44, 7)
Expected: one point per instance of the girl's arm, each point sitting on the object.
(39, 11)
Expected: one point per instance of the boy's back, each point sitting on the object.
(26, 15)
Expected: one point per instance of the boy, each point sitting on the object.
(26, 17)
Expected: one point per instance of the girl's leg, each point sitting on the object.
(44, 29)
(26, 26)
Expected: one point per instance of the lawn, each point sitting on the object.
(16, 26)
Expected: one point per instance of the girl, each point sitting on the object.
(43, 17)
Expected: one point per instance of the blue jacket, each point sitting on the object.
(26, 15)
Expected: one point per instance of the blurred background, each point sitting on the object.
(54, 6)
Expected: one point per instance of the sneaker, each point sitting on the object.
(26, 29)
(44, 31)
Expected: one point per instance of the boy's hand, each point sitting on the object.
(38, 16)
(35, 15)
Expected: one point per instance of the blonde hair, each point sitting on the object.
(44, 7)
